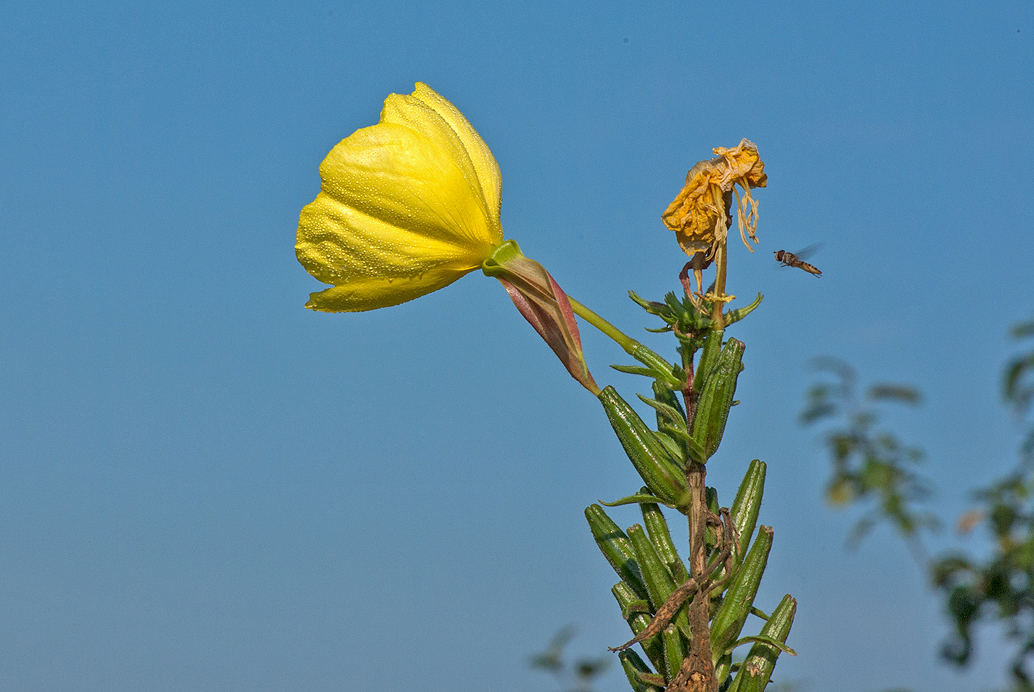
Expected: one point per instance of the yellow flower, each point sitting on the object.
(407, 206)
(411, 204)
(700, 213)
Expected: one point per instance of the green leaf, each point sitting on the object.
(667, 412)
(739, 313)
(674, 651)
(764, 640)
(636, 499)
(634, 370)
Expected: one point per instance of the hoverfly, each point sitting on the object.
(788, 259)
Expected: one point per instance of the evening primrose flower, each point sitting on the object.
(407, 206)
(411, 204)
(699, 215)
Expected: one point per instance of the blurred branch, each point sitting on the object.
(870, 466)
(577, 676)
(999, 588)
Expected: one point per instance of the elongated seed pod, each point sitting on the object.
(716, 398)
(708, 358)
(616, 547)
(659, 582)
(756, 669)
(662, 475)
(722, 669)
(747, 504)
(637, 621)
(732, 613)
(634, 667)
(711, 533)
(674, 651)
(657, 528)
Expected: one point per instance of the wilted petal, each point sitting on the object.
(699, 214)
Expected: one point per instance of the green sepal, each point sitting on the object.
(690, 447)
(747, 504)
(668, 396)
(636, 671)
(660, 536)
(637, 613)
(760, 638)
(675, 450)
(634, 370)
(636, 499)
(661, 369)
(662, 475)
(739, 313)
(671, 421)
(658, 580)
(666, 413)
(739, 597)
(616, 547)
(674, 652)
(757, 668)
(757, 612)
(716, 397)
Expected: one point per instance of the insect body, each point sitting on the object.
(791, 260)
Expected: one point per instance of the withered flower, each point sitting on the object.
(700, 213)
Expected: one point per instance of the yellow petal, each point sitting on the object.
(395, 174)
(372, 293)
(485, 165)
(411, 202)
(338, 243)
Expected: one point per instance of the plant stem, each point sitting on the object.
(623, 340)
(697, 672)
(719, 288)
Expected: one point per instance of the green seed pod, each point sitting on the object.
(657, 528)
(757, 668)
(636, 612)
(674, 651)
(662, 475)
(747, 504)
(708, 358)
(710, 533)
(722, 669)
(716, 398)
(659, 582)
(635, 669)
(739, 598)
(616, 548)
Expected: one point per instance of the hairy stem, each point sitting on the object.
(697, 673)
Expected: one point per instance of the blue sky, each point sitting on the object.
(205, 486)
